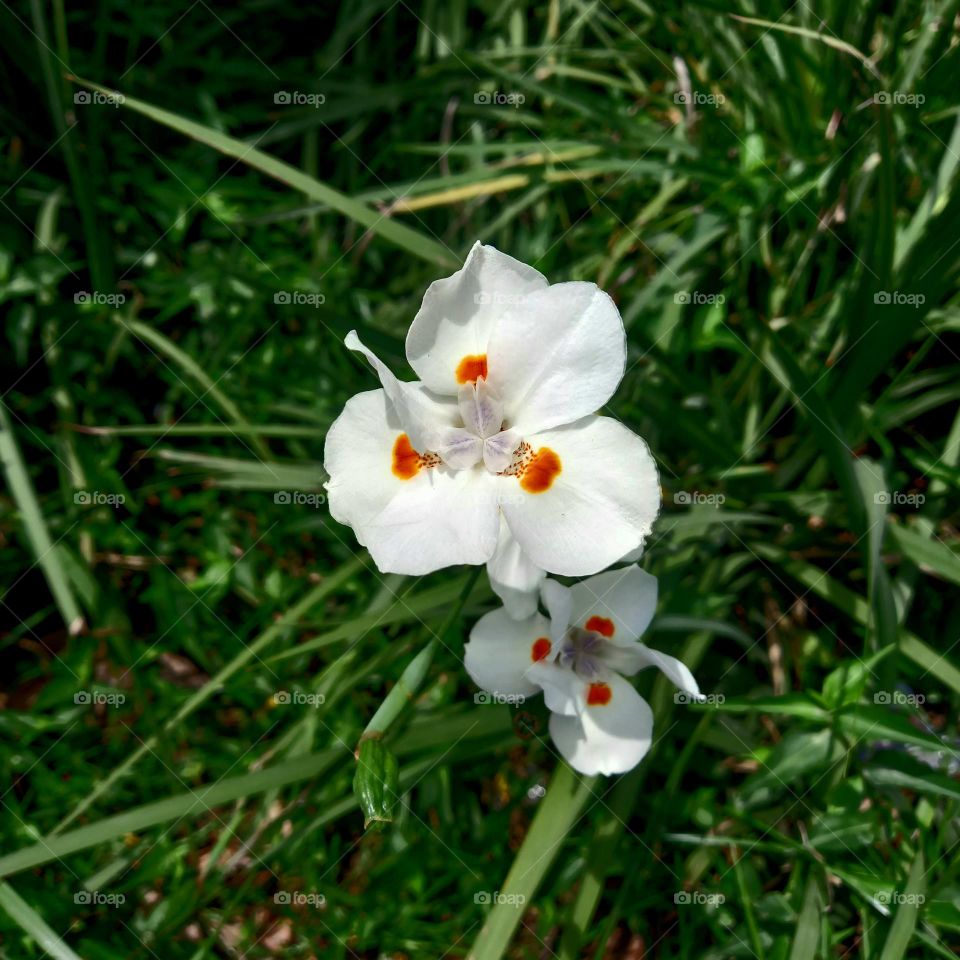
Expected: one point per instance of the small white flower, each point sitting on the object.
(578, 657)
(496, 454)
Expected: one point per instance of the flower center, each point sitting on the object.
(480, 437)
(582, 651)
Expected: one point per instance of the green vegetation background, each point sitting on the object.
(769, 190)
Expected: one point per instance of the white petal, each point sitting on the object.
(559, 603)
(676, 670)
(513, 578)
(602, 503)
(458, 313)
(435, 518)
(499, 449)
(626, 597)
(561, 686)
(500, 650)
(480, 408)
(460, 449)
(612, 738)
(557, 357)
(421, 416)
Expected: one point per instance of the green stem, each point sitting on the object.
(410, 680)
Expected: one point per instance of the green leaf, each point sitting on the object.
(872, 723)
(43, 548)
(934, 555)
(845, 685)
(34, 924)
(903, 772)
(797, 754)
(908, 911)
(566, 796)
(788, 704)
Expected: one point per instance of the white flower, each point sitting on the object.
(496, 453)
(578, 657)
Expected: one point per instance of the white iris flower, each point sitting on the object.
(578, 657)
(496, 455)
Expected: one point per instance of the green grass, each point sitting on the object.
(785, 254)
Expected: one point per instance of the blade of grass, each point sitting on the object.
(193, 370)
(858, 608)
(489, 725)
(216, 683)
(44, 550)
(833, 42)
(908, 911)
(33, 924)
(806, 940)
(403, 236)
(566, 797)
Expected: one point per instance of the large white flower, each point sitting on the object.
(578, 657)
(496, 453)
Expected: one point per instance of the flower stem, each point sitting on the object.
(407, 686)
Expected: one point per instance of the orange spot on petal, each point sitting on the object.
(471, 367)
(598, 695)
(539, 649)
(406, 460)
(601, 625)
(541, 471)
